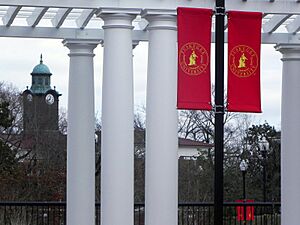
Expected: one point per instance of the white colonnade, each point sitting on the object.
(117, 150)
(117, 157)
(81, 136)
(161, 166)
(290, 130)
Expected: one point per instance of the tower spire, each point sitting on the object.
(41, 61)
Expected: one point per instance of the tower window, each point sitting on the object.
(46, 81)
(40, 81)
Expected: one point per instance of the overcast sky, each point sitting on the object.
(19, 56)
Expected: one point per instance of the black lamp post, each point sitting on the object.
(264, 147)
(243, 168)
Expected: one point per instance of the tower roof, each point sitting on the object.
(40, 78)
(41, 69)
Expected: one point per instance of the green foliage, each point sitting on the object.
(7, 158)
(256, 162)
(5, 120)
(250, 151)
(8, 162)
(195, 181)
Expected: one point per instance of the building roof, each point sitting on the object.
(183, 142)
(139, 139)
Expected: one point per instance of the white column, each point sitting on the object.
(81, 134)
(117, 152)
(290, 127)
(161, 181)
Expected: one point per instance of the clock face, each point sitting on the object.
(29, 97)
(49, 99)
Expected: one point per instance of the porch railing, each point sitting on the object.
(54, 213)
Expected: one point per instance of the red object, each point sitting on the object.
(244, 40)
(194, 40)
(249, 211)
(239, 211)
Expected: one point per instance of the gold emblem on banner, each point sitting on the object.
(193, 58)
(243, 61)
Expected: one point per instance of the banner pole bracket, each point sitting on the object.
(219, 109)
(220, 11)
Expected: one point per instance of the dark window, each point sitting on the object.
(40, 81)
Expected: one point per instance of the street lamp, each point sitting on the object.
(243, 168)
(264, 147)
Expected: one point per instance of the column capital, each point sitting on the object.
(290, 52)
(81, 47)
(160, 19)
(134, 43)
(118, 17)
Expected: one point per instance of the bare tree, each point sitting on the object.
(199, 125)
(62, 121)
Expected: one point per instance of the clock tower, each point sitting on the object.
(40, 102)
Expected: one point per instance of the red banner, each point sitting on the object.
(194, 39)
(244, 39)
